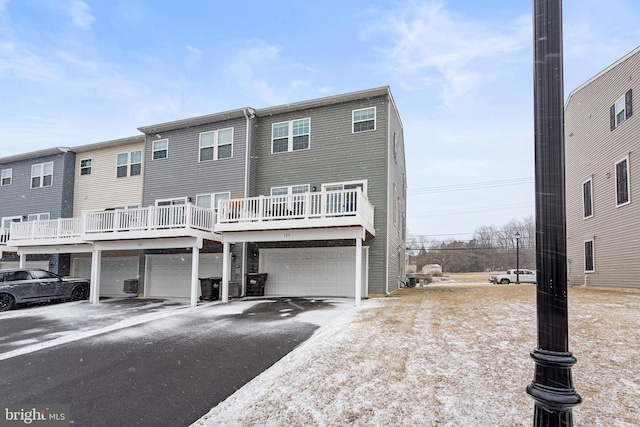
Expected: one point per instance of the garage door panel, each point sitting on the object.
(113, 272)
(170, 275)
(311, 271)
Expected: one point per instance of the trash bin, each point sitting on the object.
(210, 288)
(255, 284)
(234, 290)
(130, 286)
(412, 282)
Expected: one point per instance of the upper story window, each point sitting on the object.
(290, 136)
(44, 216)
(587, 198)
(621, 110)
(217, 144)
(160, 149)
(42, 175)
(129, 164)
(364, 119)
(6, 177)
(622, 182)
(210, 201)
(85, 166)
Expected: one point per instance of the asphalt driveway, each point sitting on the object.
(148, 362)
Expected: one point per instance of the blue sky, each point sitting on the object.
(75, 72)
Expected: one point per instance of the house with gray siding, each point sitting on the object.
(36, 186)
(602, 142)
(311, 195)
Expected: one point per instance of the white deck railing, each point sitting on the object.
(151, 218)
(325, 204)
(4, 235)
(61, 228)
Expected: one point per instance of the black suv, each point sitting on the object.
(35, 285)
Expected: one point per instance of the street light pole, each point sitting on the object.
(517, 258)
(552, 386)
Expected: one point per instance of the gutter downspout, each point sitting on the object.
(247, 164)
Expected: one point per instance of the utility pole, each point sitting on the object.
(552, 385)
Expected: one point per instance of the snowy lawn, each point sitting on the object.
(450, 355)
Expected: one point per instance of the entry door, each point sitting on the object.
(170, 217)
(341, 202)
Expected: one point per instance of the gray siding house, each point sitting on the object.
(36, 186)
(602, 141)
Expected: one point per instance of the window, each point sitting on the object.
(38, 217)
(129, 164)
(589, 266)
(622, 182)
(396, 200)
(587, 198)
(364, 119)
(85, 166)
(6, 177)
(42, 175)
(7, 220)
(160, 149)
(217, 144)
(285, 205)
(204, 200)
(290, 136)
(621, 110)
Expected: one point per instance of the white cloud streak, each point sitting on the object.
(80, 14)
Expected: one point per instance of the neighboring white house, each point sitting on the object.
(432, 268)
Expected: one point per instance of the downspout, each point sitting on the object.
(389, 205)
(247, 164)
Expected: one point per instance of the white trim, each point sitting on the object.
(42, 175)
(290, 136)
(153, 150)
(364, 183)
(616, 111)
(590, 195)
(215, 145)
(90, 167)
(593, 256)
(626, 158)
(213, 198)
(291, 235)
(2, 177)
(172, 200)
(353, 120)
(129, 164)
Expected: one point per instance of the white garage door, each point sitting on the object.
(113, 272)
(170, 275)
(312, 271)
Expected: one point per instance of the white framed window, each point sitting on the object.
(160, 149)
(6, 177)
(622, 182)
(587, 198)
(589, 257)
(85, 166)
(293, 135)
(289, 205)
(216, 145)
(395, 205)
(44, 216)
(7, 220)
(343, 202)
(621, 110)
(172, 202)
(129, 164)
(42, 175)
(364, 119)
(210, 201)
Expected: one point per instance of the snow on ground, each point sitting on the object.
(446, 356)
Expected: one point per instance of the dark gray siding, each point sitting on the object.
(335, 155)
(181, 175)
(592, 150)
(20, 199)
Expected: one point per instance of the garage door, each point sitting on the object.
(312, 271)
(170, 275)
(113, 272)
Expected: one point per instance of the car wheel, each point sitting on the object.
(7, 302)
(504, 281)
(80, 292)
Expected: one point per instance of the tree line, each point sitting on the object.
(491, 249)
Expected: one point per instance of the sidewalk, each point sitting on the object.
(446, 356)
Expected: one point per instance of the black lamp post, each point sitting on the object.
(517, 258)
(552, 386)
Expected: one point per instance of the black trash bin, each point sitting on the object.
(210, 288)
(255, 284)
(412, 282)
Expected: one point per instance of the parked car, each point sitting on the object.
(513, 276)
(19, 286)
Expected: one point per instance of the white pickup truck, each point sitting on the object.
(512, 276)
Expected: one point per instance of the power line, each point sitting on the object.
(473, 210)
(470, 186)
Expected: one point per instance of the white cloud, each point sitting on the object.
(3, 4)
(426, 45)
(80, 13)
